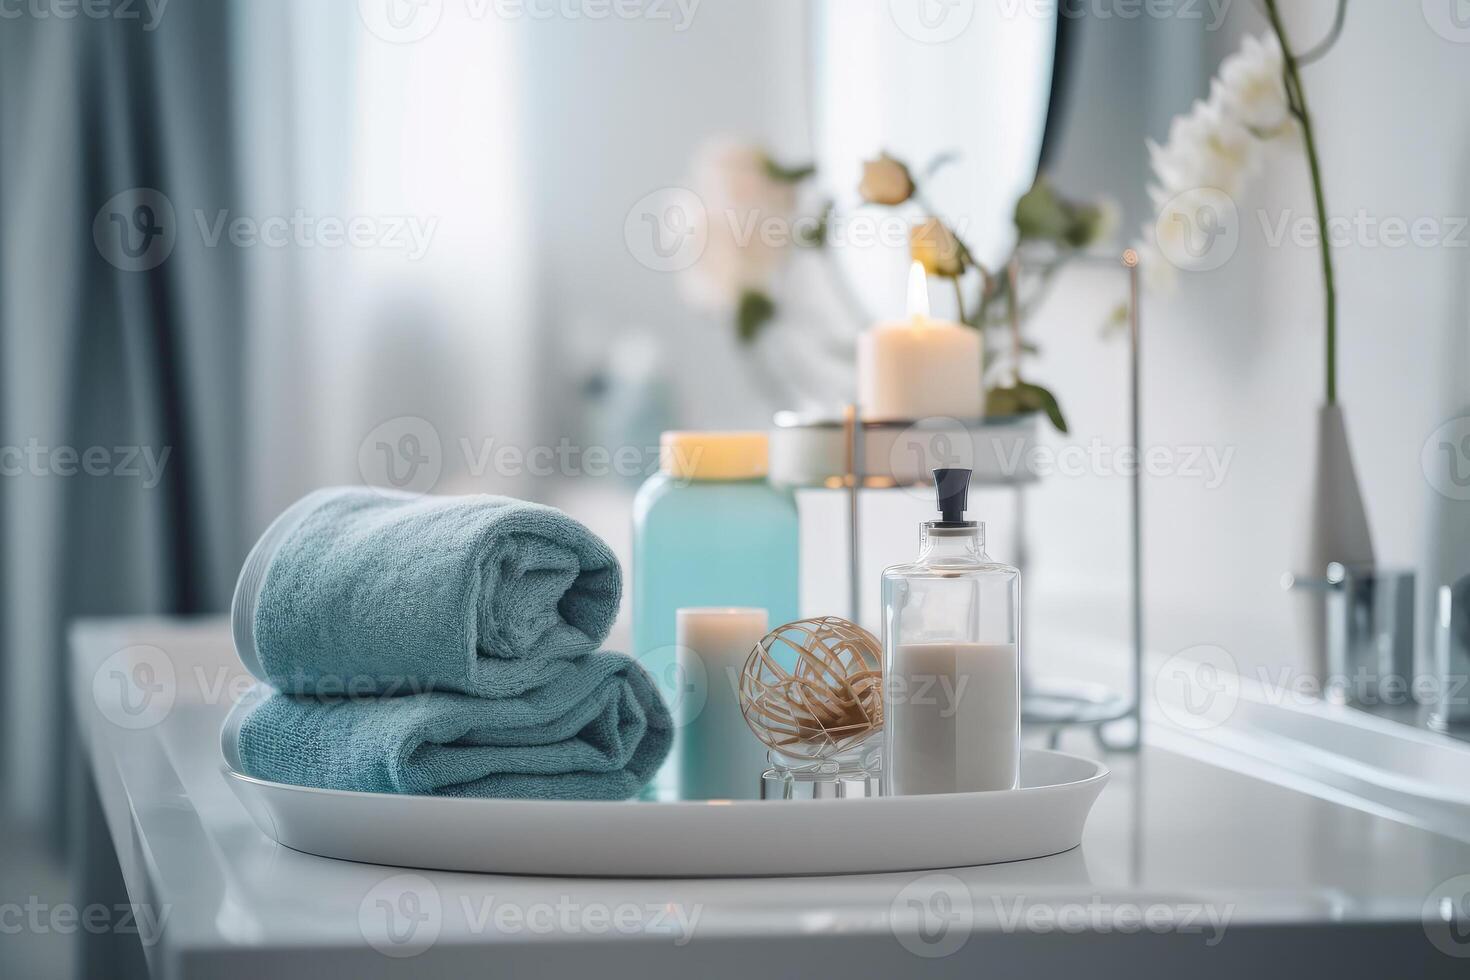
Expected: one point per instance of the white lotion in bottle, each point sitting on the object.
(951, 649)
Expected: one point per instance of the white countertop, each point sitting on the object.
(1183, 866)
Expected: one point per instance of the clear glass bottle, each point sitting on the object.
(709, 530)
(951, 659)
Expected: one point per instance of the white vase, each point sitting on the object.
(1337, 529)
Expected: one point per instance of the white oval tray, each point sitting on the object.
(681, 839)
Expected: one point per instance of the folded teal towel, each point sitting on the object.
(598, 730)
(354, 590)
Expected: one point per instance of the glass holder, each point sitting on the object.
(790, 784)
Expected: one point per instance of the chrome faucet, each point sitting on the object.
(1452, 657)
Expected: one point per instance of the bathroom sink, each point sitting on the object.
(1381, 764)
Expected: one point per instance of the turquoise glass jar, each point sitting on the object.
(708, 530)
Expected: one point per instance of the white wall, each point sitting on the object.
(1394, 105)
(1234, 358)
(615, 112)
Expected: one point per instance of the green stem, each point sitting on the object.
(1297, 99)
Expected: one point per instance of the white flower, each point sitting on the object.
(1211, 151)
(1251, 86)
(1206, 148)
(1159, 274)
(747, 218)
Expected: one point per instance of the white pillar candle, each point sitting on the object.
(719, 756)
(955, 721)
(920, 367)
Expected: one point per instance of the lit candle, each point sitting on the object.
(719, 756)
(920, 367)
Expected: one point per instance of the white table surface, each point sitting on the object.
(1291, 877)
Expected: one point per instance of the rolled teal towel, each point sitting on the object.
(597, 731)
(355, 590)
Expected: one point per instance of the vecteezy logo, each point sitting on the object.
(1450, 19)
(1198, 687)
(135, 687)
(667, 230)
(932, 21)
(932, 916)
(403, 453)
(135, 230)
(918, 450)
(1447, 916)
(1198, 230)
(400, 21)
(401, 916)
(1445, 459)
(685, 682)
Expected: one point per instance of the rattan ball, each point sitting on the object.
(824, 708)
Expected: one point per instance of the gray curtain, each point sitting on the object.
(139, 366)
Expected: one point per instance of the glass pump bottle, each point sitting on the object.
(951, 659)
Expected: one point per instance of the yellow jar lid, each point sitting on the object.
(713, 455)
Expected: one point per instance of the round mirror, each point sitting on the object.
(957, 83)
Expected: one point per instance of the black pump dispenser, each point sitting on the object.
(952, 490)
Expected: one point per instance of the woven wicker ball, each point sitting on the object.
(824, 708)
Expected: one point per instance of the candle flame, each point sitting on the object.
(918, 293)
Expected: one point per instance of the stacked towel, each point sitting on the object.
(598, 733)
(439, 645)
